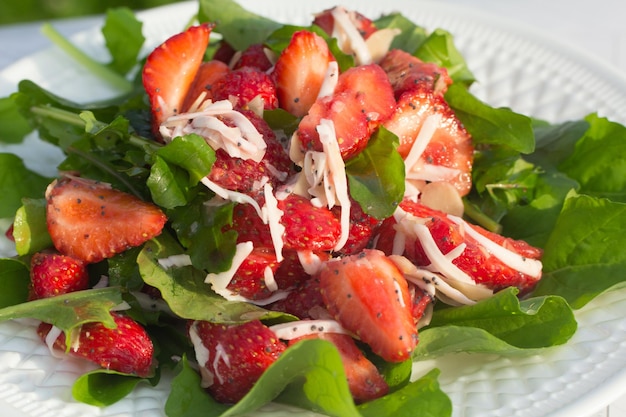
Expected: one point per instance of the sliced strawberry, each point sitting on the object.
(405, 71)
(304, 302)
(91, 221)
(369, 296)
(420, 300)
(364, 380)
(300, 71)
(326, 21)
(249, 226)
(245, 84)
(246, 175)
(237, 356)
(308, 227)
(254, 56)
(362, 100)
(448, 154)
(9, 233)
(170, 70)
(249, 279)
(54, 274)
(476, 260)
(362, 229)
(224, 52)
(127, 348)
(208, 74)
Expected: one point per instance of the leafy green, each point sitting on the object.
(583, 256)
(411, 36)
(123, 38)
(376, 175)
(15, 279)
(17, 182)
(13, 126)
(102, 387)
(439, 48)
(30, 229)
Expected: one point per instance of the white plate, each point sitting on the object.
(516, 68)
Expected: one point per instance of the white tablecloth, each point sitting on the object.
(595, 27)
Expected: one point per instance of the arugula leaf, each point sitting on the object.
(13, 126)
(488, 125)
(123, 38)
(439, 48)
(102, 387)
(30, 228)
(184, 289)
(376, 175)
(583, 256)
(239, 27)
(501, 324)
(411, 36)
(17, 182)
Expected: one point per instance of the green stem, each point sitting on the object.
(111, 77)
(472, 212)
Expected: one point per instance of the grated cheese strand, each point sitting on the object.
(272, 215)
(349, 37)
(330, 80)
(295, 329)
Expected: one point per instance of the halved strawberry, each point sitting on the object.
(255, 56)
(362, 100)
(52, 273)
(170, 70)
(444, 154)
(406, 71)
(246, 175)
(369, 296)
(304, 302)
(362, 229)
(308, 227)
(326, 21)
(234, 356)
(91, 221)
(127, 348)
(364, 380)
(249, 279)
(476, 260)
(300, 71)
(207, 76)
(245, 84)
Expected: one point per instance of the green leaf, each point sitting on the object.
(192, 153)
(16, 182)
(411, 36)
(488, 125)
(501, 324)
(598, 162)
(13, 126)
(123, 38)
(439, 48)
(422, 397)
(15, 281)
(184, 289)
(376, 175)
(584, 255)
(239, 27)
(102, 387)
(30, 227)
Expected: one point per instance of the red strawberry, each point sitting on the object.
(300, 71)
(245, 84)
(291, 273)
(91, 221)
(170, 70)
(326, 21)
(420, 300)
(476, 260)
(54, 274)
(304, 302)
(362, 229)
(224, 52)
(245, 175)
(448, 155)
(9, 232)
(405, 71)
(369, 296)
(363, 99)
(364, 380)
(249, 279)
(126, 348)
(308, 227)
(236, 356)
(254, 56)
(207, 76)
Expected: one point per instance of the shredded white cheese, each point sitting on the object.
(230, 195)
(295, 329)
(330, 80)
(220, 355)
(202, 356)
(272, 215)
(178, 261)
(311, 263)
(268, 278)
(348, 36)
(219, 281)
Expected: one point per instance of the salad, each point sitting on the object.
(520, 167)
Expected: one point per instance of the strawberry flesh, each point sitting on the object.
(54, 274)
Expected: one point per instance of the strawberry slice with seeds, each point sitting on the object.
(406, 71)
(170, 70)
(300, 71)
(208, 74)
(444, 151)
(91, 221)
(256, 56)
(52, 274)
(362, 100)
(364, 380)
(369, 296)
(326, 21)
(249, 279)
(127, 348)
(245, 84)
(233, 357)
